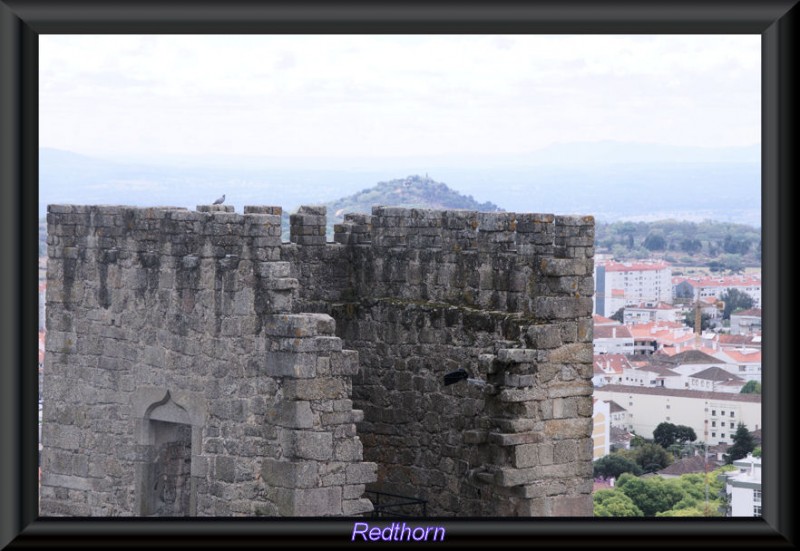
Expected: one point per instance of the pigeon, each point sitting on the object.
(220, 200)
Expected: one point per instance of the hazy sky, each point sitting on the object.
(380, 96)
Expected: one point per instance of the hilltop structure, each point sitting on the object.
(197, 365)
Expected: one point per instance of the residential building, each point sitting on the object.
(699, 288)
(618, 284)
(600, 321)
(651, 313)
(724, 341)
(601, 431)
(669, 337)
(612, 339)
(608, 369)
(743, 488)
(653, 376)
(687, 465)
(619, 415)
(746, 322)
(648, 407)
(621, 438)
(715, 379)
(742, 362)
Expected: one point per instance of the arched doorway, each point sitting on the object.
(165, 485)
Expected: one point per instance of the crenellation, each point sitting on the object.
(310, 371)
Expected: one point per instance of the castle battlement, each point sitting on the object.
(196, 364)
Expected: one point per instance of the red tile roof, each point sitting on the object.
(612, 266)
(693, 357)
(687, 465)
(614, 407)
(717, 374)
(748, 355)
(756, 312)
(729, 281)
(612, 332)
(680, 393)
(724, 338)
(602, 320)
(614, 362)
(659, 370)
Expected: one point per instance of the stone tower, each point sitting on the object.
(197, 365)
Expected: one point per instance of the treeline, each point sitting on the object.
(719, 245)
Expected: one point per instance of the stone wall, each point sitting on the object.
(507, 297)
(203, 319)
(163, 323)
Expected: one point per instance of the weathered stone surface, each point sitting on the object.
(514, 439)
(352, 507)
(290, 364)
(516, 355)
(311, 502)
(248, 336)
(290, 474)
(295, 414)
(361, 473)
(313, 445)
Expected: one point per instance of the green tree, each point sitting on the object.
(614, 503)
(751, 387)
(695, 511)
(619, 315)
(652, 457)
(613, 465)
(733, 245)
(655, 242)
(734, 300)
(743, 444)
(757, 451)
(691, 246)
(684, 434)
(651, 495)
(705, 321)
(664, 434)
(732, 262)
(684, 290)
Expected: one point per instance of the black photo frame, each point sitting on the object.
(21, 21)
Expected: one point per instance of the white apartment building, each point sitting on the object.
(619, 415)
(742, 362)
(612, 339)
(608, 369)
(714, 416)
(653, 376)
(744, 488)
(630, 283)
(700, 288)
(651, 313)
(716, 379)
(746, 322)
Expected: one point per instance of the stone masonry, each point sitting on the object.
(197, 365)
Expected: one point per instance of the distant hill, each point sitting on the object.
(718, 245)
(613, 181)
(411, 192)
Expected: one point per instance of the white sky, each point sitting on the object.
(381, 96)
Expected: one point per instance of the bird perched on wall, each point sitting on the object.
(220, 200)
